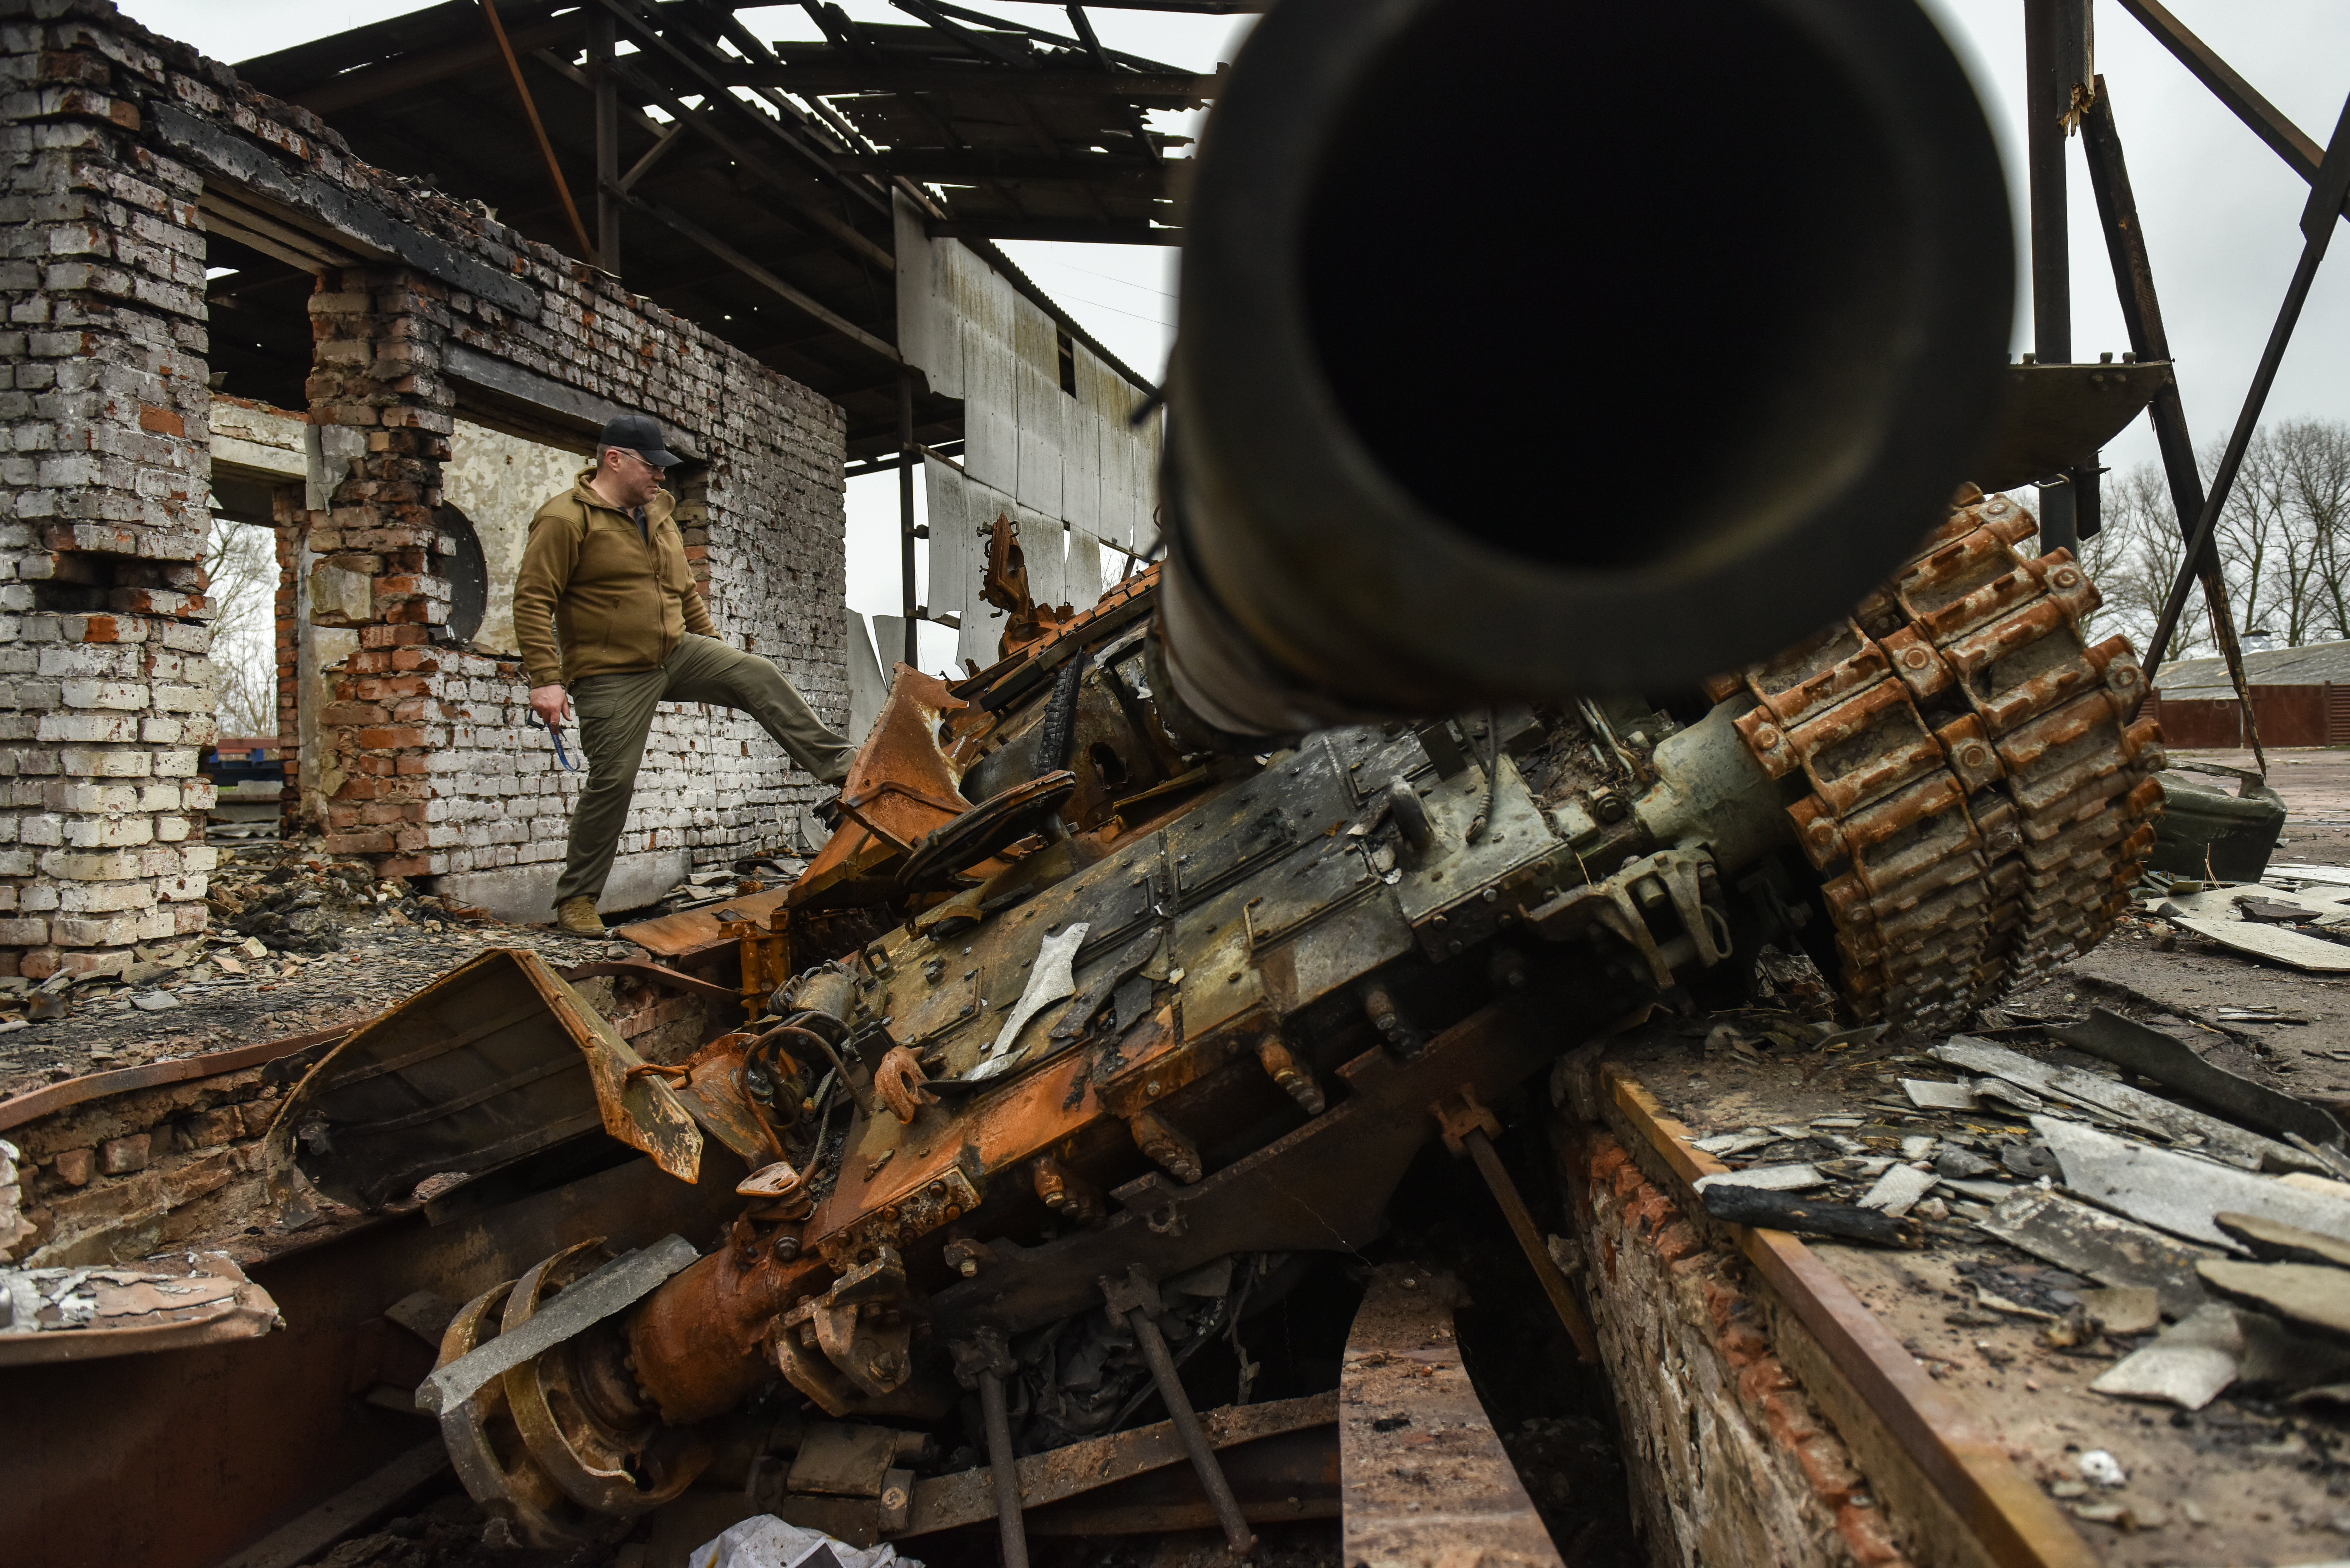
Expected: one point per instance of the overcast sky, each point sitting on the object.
(2219, 208)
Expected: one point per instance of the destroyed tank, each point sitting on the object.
(1142, 962)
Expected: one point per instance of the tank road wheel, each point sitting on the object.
(579, 1411)
(1981, 802)
(487, 1450)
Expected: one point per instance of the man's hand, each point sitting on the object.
(551, 703)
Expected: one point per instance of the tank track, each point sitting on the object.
(1981, 804)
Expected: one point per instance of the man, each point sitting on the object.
(611, 623)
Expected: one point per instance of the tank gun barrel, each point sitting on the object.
(1445, 432)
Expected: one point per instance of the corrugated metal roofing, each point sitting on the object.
(2314, 664)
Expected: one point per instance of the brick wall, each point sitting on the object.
(433, 762)
(109, 137)
(1731, 1460)
(102, 508)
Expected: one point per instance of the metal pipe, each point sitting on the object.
(1530, 1241)
(1237, 1533)
(1011, 1528)
(908, 456)
(1826, 198)
(545, 148)
(2325, 199)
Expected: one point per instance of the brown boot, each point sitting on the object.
(576, 917)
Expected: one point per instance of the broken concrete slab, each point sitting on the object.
(2066, 1231)
(2273, 1241)
(2311, 1296)
(525, 894)
(2177, 1193)
(1727, 1146)
(2136, 1107)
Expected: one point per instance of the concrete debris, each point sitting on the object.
(2152, 1053)
(1727, 1146)
(2314, 955)
(2099, 1468)
(2313, 1296)
(2123, 1308)
(2273, 1241)
(2178, 1192)
(2187, 1365)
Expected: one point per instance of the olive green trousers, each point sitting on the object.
(615, 715)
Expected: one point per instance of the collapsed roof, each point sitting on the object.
(749, 185)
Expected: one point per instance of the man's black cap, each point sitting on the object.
(638, 434)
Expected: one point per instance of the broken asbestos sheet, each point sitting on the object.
(2134, 1107)
(2107, 1248)
(2277, 943)
(2217, 1347)
(2180, 1193)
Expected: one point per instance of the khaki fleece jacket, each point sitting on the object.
(596, 596)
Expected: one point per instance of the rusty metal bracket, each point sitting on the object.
(1469, 1128)
(1612, 906)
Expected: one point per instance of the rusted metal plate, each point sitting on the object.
(1273, 1481)
(167, 1303)
(2057, 416)
(968, 1497)
(2017, 1523)
(692, 933)
(1425, 1480)
(485, 1066)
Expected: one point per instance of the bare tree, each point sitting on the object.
(2256, 541)
(241, 562)
(2133, 558)
(2315, 456)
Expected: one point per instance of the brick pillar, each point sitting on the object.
(384, 415)
(105, 689)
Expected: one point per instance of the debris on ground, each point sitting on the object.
(2070, 1200)
(301, 941)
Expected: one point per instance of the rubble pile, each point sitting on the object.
(301, 940)
(2125, 1258)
